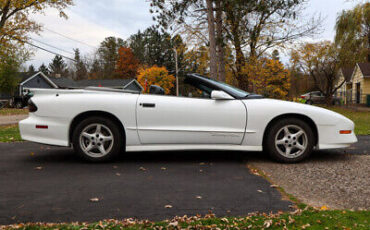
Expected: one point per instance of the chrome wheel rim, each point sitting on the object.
(96, 140)
(291, 141)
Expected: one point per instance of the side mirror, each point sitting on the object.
(220, 95)
(157, 90)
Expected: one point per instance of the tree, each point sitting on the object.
(275, 55)
(127, 65)
(176, 12)
(31, 69)
(96, 70)
(108, 55)
(252, 27)
(320, 61)
(269, 77)
(353, 35)
(152, 47)
(16, 23)
(8, 74)
(44, 69)
(58, 67)
(156, 76)
(80, 69)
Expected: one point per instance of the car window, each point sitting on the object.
(194, 89)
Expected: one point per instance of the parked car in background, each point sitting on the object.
(316, 97)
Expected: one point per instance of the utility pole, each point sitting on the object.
(177, 72)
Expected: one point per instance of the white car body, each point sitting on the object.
(177, 123)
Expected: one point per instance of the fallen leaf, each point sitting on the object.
(198, 197)
(163, 168)
(323, 208)
(168, 206)
(225, 220)
(142, 169)
(38, 168)
(173, 224)
(274, 186)
(305, 226)
(260, 191)
(95, 199)
(267, 223)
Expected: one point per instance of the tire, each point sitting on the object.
(98, 146)
(289, 140)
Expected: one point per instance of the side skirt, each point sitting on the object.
(145, 148)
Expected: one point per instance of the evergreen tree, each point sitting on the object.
(44, 69)
(79, 66)
(58, 67)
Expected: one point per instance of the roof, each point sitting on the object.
(347, 73)
(365, 68)
(63, 82)
(27, 78)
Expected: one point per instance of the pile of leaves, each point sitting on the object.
(299, 219)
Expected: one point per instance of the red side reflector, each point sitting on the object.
(345, 131)
(42, 127)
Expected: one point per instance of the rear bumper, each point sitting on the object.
(57, 132)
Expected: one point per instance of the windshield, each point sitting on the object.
(240, 93)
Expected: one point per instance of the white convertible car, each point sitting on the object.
(101, 123)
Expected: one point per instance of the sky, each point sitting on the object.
(90, 21)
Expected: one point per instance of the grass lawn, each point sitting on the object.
(308, 219)
(7, 112)
(9, 133)
(361, 119)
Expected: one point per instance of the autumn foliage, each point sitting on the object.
(268, 77)
(156, 76)
(127, 64)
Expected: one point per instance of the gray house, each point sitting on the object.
(41, 81)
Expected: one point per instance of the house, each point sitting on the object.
(345, 91)
(361, 83)
(41, 81)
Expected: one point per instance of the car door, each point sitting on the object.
(182, 120)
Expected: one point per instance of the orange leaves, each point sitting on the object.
(156, 76)
(268, 77)
(127, 64)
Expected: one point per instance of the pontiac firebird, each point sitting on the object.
(101, 123)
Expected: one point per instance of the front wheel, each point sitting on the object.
(290, 140)
(97, 139)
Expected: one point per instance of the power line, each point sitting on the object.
(49, 51)
(72, 39)
(41, 48)
(52, 46)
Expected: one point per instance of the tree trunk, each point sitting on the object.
(212, 39)
(220, 44)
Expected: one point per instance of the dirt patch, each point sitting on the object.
(338, 181)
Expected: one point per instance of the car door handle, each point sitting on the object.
(147, 105)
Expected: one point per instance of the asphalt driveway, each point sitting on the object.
(49, 184)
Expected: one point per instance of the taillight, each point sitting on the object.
(31, 106)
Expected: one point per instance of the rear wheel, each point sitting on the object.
(97, 139)
(290, 140)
